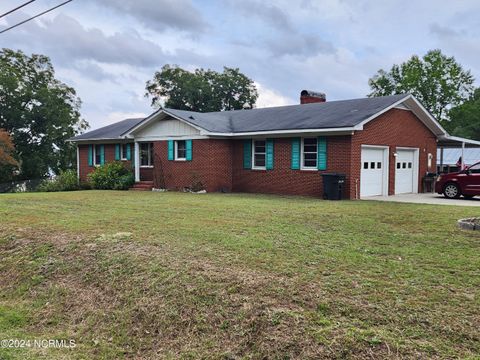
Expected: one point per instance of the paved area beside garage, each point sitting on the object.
(428, 198)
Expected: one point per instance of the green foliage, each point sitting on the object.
(201, 90)
(39, 111)
(465, 118)
(65, 181)
(111, 176)
(437, 81)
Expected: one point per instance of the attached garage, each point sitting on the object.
(406, 171)
(374, 173)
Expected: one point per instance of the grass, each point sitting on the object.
(172, 275)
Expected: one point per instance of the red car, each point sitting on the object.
(465, 182)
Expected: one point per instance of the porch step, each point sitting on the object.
(142, 186)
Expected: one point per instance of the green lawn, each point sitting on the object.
(169, 275)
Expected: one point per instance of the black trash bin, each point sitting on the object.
(333, 185)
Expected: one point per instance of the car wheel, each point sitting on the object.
(451, 191)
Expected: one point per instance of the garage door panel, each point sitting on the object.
(373, 172)
(405, 171)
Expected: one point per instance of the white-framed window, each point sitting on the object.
(309, 153)
(259, 154)
(123, 151)
(180, 150)
(97, 155)
(146, 154)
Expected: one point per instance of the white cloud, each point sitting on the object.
(268, 97)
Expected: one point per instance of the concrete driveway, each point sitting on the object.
(427, 198)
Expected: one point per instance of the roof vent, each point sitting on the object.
(308, 97)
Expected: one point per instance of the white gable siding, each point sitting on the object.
(165, 129)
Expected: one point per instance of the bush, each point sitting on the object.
(65, 181)
(111, 176)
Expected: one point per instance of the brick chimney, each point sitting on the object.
(308, 97)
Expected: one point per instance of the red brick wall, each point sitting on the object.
(83, 152)
(282, 179)
(394, 128)
(211, 165)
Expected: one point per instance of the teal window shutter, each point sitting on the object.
(90, 155)
(170, 150)
(188, 144)
(295, 154)
(129, 152)
(247, 154)
(269, 154)
(322, 153)
(102, 154)
(117, 151)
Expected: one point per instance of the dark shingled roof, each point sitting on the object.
(333, 114)
(325, 115)
(112, 131)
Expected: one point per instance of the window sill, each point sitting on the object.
(259, 168)
(181, 159)
(309, 169)
(146, 166)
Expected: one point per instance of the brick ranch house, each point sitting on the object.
(384, 146)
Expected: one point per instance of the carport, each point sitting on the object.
(457, 143)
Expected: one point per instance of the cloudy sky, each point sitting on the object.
(108, 49)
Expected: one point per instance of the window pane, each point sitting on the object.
(365, 165)
(144, 150)
(398, 165)
(372, 165)
(260, 160)
(309, 152)
(379, 165)
(181, 149)
(475, 169)
(97, 154)
(259, 153)
(259, 146)
(124, 151)
(409, 165)
(310, 148)
(404, 165)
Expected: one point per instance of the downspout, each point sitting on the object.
(441, 159)
(137, 161)
(78, 165)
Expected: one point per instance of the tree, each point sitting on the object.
(39, 112)
(201, 90)
(7, 161)
(437, 81)
(465, 118)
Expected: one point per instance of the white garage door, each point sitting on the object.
(374, 169)
(405, 171)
